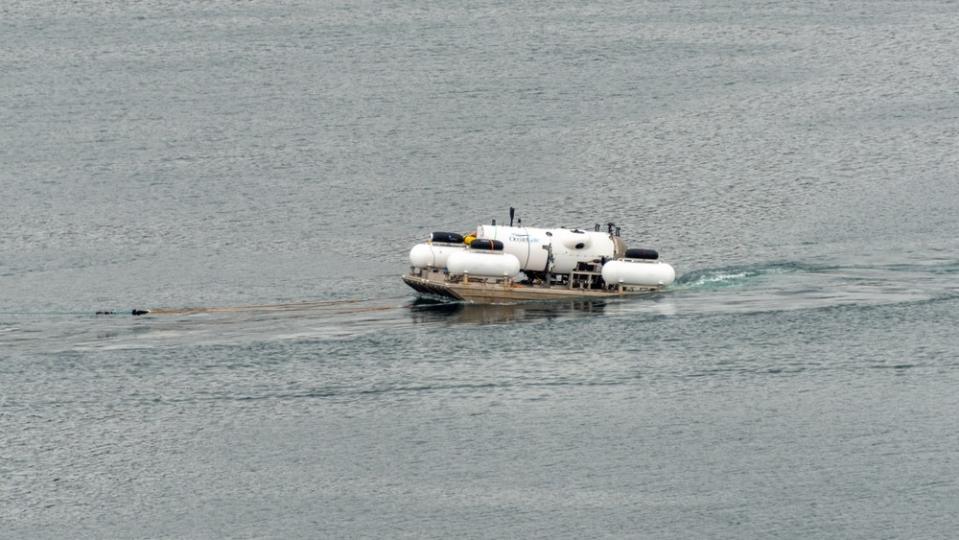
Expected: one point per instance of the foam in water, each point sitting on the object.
(732, 276)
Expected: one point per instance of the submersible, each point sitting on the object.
(505, 264)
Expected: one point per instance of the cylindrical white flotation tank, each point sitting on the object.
(531, 246)
(638, 272)
(483, 264)
(433, 255)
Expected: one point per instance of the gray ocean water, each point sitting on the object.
(795, 161)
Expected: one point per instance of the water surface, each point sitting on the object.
(796, 162)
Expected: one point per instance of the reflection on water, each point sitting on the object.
(427, 311)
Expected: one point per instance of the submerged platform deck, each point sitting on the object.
(503, 292)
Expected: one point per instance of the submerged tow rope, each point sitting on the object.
(136, 312)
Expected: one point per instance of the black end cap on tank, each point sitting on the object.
(490, 245)
(642, 253)
(448, 237)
